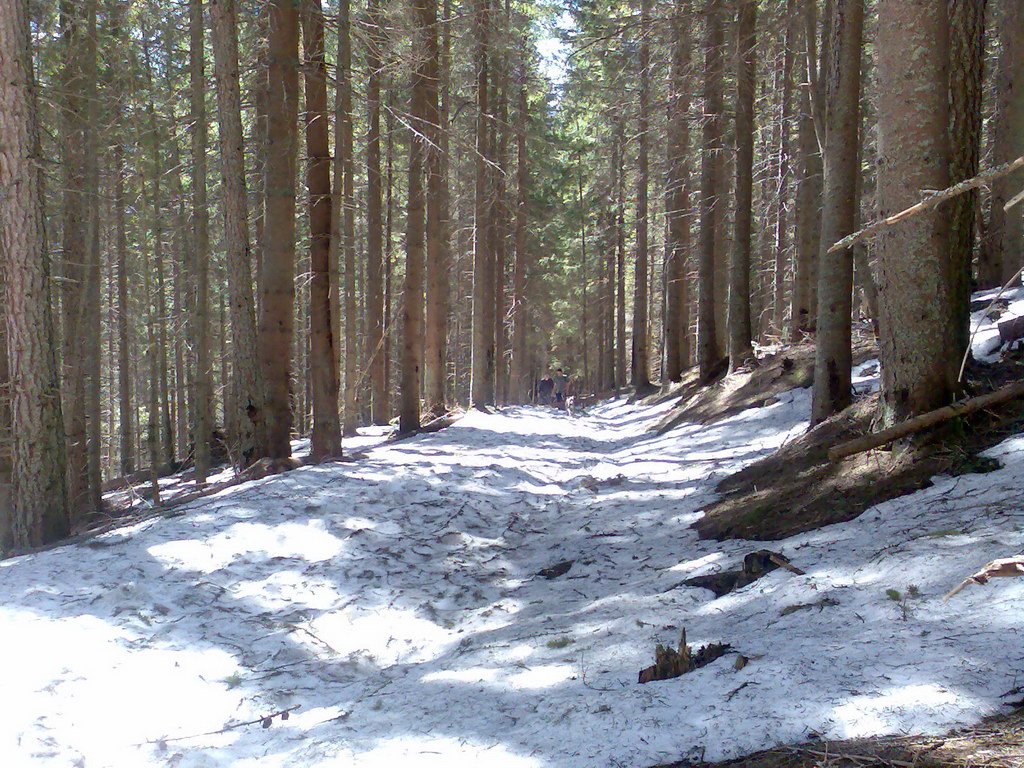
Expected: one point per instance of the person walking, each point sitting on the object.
(561, 384)
(545, 388)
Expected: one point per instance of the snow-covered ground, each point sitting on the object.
(985, 341)
(395, 603)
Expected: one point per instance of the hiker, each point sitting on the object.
(561, 383)
(544, 389)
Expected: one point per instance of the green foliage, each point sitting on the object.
(559, 642)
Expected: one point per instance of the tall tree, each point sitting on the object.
(1004, 230)
(808, 225)
(640, 366)
(520, 374)
(915, 294)
(375, 317)
(202, 389)
(708, 351)
(966, 81)
(740, 349)
(343, 235)
(833, 356)
(277, 279)
(677, 199)
(75, 130)
(423, 82)
(435, 129)
(482, 374)
(322, 370)
(244, 411)
(39, 506)
(91, 304)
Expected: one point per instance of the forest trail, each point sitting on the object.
(398, 604)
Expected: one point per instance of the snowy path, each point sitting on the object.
(396, 601)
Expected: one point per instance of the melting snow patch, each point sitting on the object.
(396, 602)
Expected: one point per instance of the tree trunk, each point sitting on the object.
(322, 369)
(520, 369)
(482, 375)
(499, 201)
(424, 85)
(92, 327)
(640, 377)
(343, 244)
(966, 81)
(375, 320)
(126, 416)
(915, 289)
(807, 221)
(435, 127)
(740, 348)
(278, 287)
(244, 412)
(708, 351)
(618, 162)
(39, 509)
(1000, 248)
(75, 244)
(677, 200)
(783, 162)
(202, 389)
(833, 356)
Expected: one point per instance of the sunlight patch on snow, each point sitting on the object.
(309, 541)
(388, 636)
(699, 564)
(894, 711)
(542, 677)
(117, 682)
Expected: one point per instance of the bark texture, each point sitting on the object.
(833, 357)
(640, 373)
(244, 411)
(708, 350)
(202, 388)
(966, 81)
(375, 317)
(740, 349)
(39, 509)
(1000, 253)
(322, 369)
(915, 295)
(277, 279)
(482, 373)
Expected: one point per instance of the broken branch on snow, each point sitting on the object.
(1004, 566)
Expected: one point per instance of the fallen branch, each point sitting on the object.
(930, 201)
(924, 421)
(434, 425)
(1005, 566)
(1015, 200)
(867, 759)
(264, 721)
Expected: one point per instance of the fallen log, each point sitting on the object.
(434, 425)
(924, 421)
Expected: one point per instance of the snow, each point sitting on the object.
(985, 341)
(396, 603)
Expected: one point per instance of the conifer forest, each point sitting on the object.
(763, 256)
